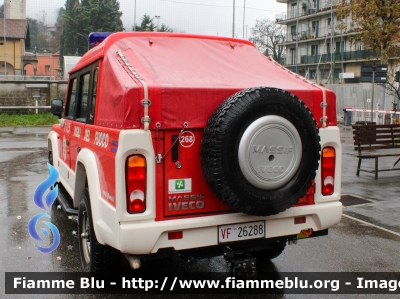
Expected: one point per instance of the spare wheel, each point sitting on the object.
(260, 150)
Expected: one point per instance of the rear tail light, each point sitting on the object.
(300, 220)
(328, 170)
(135, 173)
(175, 235)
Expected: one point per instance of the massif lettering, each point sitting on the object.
(272, 149)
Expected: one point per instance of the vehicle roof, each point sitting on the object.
(100, 50)
(187, 77)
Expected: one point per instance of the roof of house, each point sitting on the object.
(14, 28)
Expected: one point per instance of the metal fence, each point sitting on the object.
(25, 78)
(359, 96)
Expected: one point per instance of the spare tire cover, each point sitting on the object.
(260, 150)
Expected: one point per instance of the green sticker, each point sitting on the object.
(179, 184)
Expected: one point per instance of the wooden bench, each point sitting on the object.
(369, 138)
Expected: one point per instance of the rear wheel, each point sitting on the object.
(95, 257)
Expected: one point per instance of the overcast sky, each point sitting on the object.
(213, 17)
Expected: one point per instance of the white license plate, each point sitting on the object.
(241, 231)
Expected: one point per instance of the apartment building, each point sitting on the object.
(317, 47)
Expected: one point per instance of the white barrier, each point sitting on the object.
(362, 114)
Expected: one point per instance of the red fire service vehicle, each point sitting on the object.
(195, 144)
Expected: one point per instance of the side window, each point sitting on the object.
(71, 101)
(83, 96)
(93, 95)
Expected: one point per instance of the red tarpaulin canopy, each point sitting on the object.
(188, 76)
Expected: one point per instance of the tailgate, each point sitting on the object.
(186, 191)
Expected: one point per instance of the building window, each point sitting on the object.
(358, 45)
(315, 25)
(293, 13)
(314, 50)
(304, 30)
(315, 4)
(293, 32)
(292, 56)
(303, 51)
(47, 68)
(339, 47)
(313, 74)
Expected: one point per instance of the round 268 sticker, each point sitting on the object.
(187, 139)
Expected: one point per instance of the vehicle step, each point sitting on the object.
(63, 200)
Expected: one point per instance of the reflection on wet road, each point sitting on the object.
(350, 246)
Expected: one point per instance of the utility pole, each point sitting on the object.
(333, 71)
(372, 97)
(5, 39)
(297, 38)
(134, 18)
(233, 22)
(244, 16)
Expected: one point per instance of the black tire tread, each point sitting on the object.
(103, 258)
(213, 140)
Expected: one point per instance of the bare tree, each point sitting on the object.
(268, 38)
(393, 87)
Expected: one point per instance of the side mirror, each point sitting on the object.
(57, 107)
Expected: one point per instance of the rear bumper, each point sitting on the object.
(149, 236)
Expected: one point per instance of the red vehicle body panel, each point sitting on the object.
(183, 87)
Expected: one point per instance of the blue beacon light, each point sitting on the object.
(96, 38)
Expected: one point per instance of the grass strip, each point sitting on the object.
(14, 120)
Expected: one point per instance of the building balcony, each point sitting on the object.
(306, 10)
(317, 33)
(30, 58)
(338, 57)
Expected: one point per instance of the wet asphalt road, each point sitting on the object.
(371, 244)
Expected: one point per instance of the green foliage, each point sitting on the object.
(82, 17)
(37, 31)
(378, 24)
(56, 39)
(147, 24)
(164, 28)
(68, 39)
(13, 120)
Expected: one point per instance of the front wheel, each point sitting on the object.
(95, 257)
